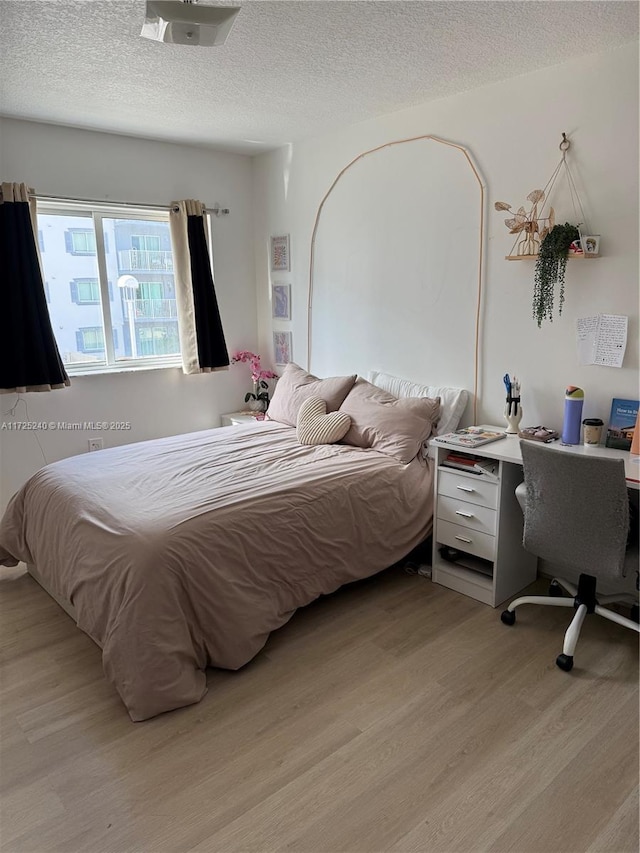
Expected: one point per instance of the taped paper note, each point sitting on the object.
(602, 339)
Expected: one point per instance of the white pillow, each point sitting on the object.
(315, 426)
(452, 400)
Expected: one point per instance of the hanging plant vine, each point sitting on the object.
(551, 265)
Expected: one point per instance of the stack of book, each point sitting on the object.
(471, 463)
(470, 436)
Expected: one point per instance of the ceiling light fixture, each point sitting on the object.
(177, 22)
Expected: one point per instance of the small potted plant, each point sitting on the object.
(551, 264)
(258, 399)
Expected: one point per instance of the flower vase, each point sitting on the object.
(513, 416)
(257, 405)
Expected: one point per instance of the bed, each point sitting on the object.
(186, 552)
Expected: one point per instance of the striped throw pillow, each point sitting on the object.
(315, 426)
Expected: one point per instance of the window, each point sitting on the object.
(85, 291)
(90, 340)
(157, 339)
(101, 328)
(151, 290)
(146, 242)
(80, 241)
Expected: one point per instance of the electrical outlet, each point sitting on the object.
(95, 444)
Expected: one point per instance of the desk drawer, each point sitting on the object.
(467, 514)
(464, 539)
(473, 489)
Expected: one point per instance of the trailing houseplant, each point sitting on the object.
(551, 264)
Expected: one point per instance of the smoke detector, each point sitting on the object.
(176, 22)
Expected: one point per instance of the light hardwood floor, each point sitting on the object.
(393, 716)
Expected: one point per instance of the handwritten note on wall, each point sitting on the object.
(602, 339)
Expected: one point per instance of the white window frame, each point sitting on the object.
(98, 212)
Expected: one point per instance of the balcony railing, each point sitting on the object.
(155, 309)
(145, 260)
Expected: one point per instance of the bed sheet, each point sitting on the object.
(186, 552)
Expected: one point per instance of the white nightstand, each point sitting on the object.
(479, 518)
(237, 418)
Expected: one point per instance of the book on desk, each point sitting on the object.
(622, 423)
(471, 463)
(470, 437)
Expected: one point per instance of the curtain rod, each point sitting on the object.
(216, 210)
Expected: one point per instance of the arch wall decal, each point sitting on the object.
(481, 259)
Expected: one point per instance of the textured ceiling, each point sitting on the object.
(288, 69)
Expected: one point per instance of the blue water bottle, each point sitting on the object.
(573, 401)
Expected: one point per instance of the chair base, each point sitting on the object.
(584, 601)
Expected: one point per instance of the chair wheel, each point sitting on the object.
(508, 617)
(565, 662)
(635, 613)
(555, 590)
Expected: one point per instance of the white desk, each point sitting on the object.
(508, 450)
(480, 518)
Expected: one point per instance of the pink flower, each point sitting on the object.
(257, 373)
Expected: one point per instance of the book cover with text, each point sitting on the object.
(622, 423)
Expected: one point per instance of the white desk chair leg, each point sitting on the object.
(609, 599)
(572, 634)
(539, 599)
(565, 660)
(612, 616)
(568, 587)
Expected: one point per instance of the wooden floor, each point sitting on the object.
(393, 716)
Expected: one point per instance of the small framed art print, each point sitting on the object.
(280, 258)
(282, 347)
(591, 244)
(281, 301)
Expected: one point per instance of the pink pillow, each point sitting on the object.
(385, 423)
(296, 385)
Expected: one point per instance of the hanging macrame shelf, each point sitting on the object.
(532, 228)
(570, 257)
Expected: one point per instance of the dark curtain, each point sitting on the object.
(29, 357)
(212, 347)
(202, 342)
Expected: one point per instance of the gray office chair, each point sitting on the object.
(576, 514)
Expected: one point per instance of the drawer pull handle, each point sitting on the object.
(462, 539)
(465, 489)
(464, 514)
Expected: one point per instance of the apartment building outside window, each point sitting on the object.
(97, 324)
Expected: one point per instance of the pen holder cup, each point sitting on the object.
(513, 416)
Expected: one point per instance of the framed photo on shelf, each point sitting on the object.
(280, 258)
(591, 244)
(282, 346)
(281, 301)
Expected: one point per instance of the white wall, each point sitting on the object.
(513, 130)
(76, 163)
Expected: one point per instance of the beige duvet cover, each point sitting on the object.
(186, 552)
